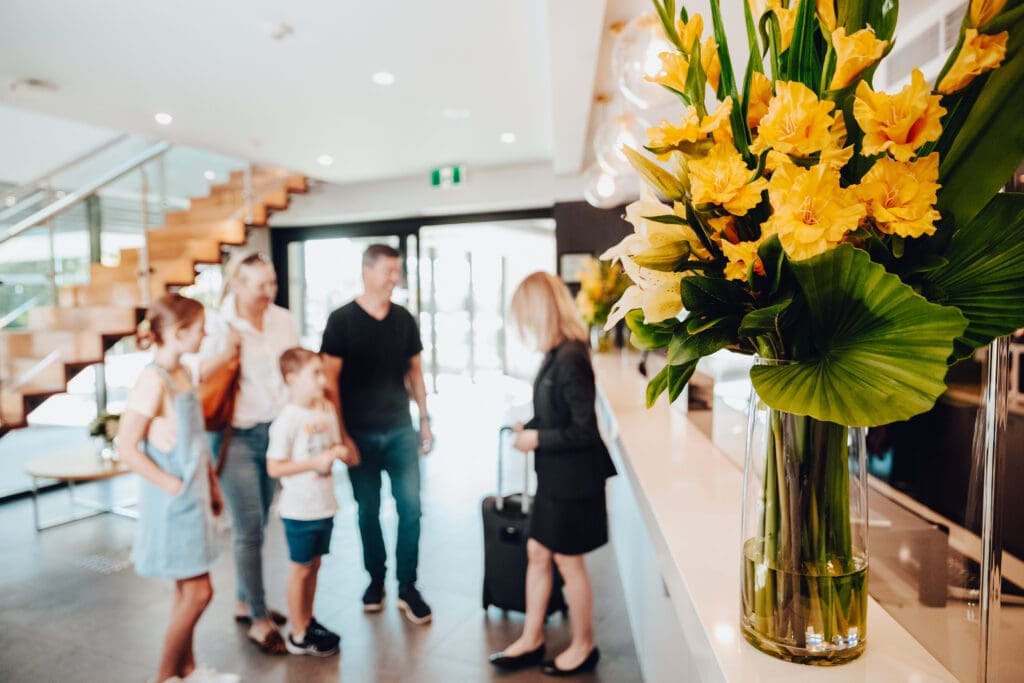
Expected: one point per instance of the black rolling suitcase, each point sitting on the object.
(506, 529)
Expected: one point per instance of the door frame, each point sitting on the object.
(281, 237)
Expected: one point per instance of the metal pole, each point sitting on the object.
(94, 221)
(432, 255)
(995, 408)
(502, 332)
(51, 235)
(471, 313)
(101, 387)
(144, 267)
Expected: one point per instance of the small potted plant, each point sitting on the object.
(105, 427)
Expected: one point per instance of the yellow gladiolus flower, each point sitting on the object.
(796, 122)
(718, 125)
(710, 62)
(723, 178)
(901, 195)
(898, 123)
(984, 11)
(834, 154)
(827, 14)
(759, 99)
(787, 22)
(854, 54)
(740, 257)
(811, 213)
(978, 54)
(690, 31)
(666, 135)
(674, 69)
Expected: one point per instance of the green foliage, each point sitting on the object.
(879, 350)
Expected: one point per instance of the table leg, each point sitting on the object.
(35, 503)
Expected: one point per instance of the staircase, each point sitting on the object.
(64, 339)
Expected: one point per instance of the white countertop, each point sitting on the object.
(690, 497)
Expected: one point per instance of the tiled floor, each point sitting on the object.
(72, 609)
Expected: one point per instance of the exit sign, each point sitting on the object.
(447, 176)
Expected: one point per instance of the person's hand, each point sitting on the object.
(518, 427)
(426, 437)
(343, 454)
(323, 462)
(216, 499)
(174, 486)
(353, 457)
(526, 440)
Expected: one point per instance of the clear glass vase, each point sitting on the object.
(805, 529)
(601, 340)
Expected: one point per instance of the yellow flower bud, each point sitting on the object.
(984, 11)
(978, 54)
(854, 54)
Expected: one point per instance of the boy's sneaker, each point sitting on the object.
(314, 643)
(413, 606)
(316, 627)
(373, 597)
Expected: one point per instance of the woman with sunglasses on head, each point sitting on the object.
(250, 326)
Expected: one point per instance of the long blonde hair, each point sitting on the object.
(544, 310)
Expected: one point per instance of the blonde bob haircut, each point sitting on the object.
(544, 311)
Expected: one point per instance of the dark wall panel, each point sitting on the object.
(581, 228)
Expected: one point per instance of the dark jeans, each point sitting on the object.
(396, 452)
(248, 490)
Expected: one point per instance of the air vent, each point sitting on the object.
(951, 27)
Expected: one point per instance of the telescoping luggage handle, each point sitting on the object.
(500, 502)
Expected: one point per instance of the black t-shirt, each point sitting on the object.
(375, 358)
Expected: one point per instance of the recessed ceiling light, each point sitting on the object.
(508, 138)
(455, 114)
(384, 78)
(11, 200)
(60, 194)
(209, 175)
(325, 160)
(164, 119)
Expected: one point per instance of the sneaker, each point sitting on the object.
(315, 643)
(413, 606)
(316, 627)
(373, 597)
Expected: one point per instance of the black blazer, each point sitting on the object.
(571, 461)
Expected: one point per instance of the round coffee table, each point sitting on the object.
(73, 467)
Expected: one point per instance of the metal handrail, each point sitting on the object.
(32, 372)
(79, 195)
(38, 180)
(19, 207)
(19, 311)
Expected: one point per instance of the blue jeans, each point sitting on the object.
(248, 490)
(396, 452)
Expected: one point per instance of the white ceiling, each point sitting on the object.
(233, 89)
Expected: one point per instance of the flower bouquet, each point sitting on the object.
(855, 240)
(601, 285)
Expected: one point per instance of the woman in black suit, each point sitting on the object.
(569, 516)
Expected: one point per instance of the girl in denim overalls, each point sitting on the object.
(161, 438)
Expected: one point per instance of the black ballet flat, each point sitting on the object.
(532, 658)
(587, 665)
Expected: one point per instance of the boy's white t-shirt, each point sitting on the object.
(299, 434)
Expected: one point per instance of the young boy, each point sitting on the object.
(305, 441)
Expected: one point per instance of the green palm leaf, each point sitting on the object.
(880, 348)
(984, 275)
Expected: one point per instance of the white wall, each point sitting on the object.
(487, 189)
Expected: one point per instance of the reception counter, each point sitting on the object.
(675, 516)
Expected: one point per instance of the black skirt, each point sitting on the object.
(569, 527)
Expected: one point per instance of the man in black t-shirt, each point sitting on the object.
(371, 349)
